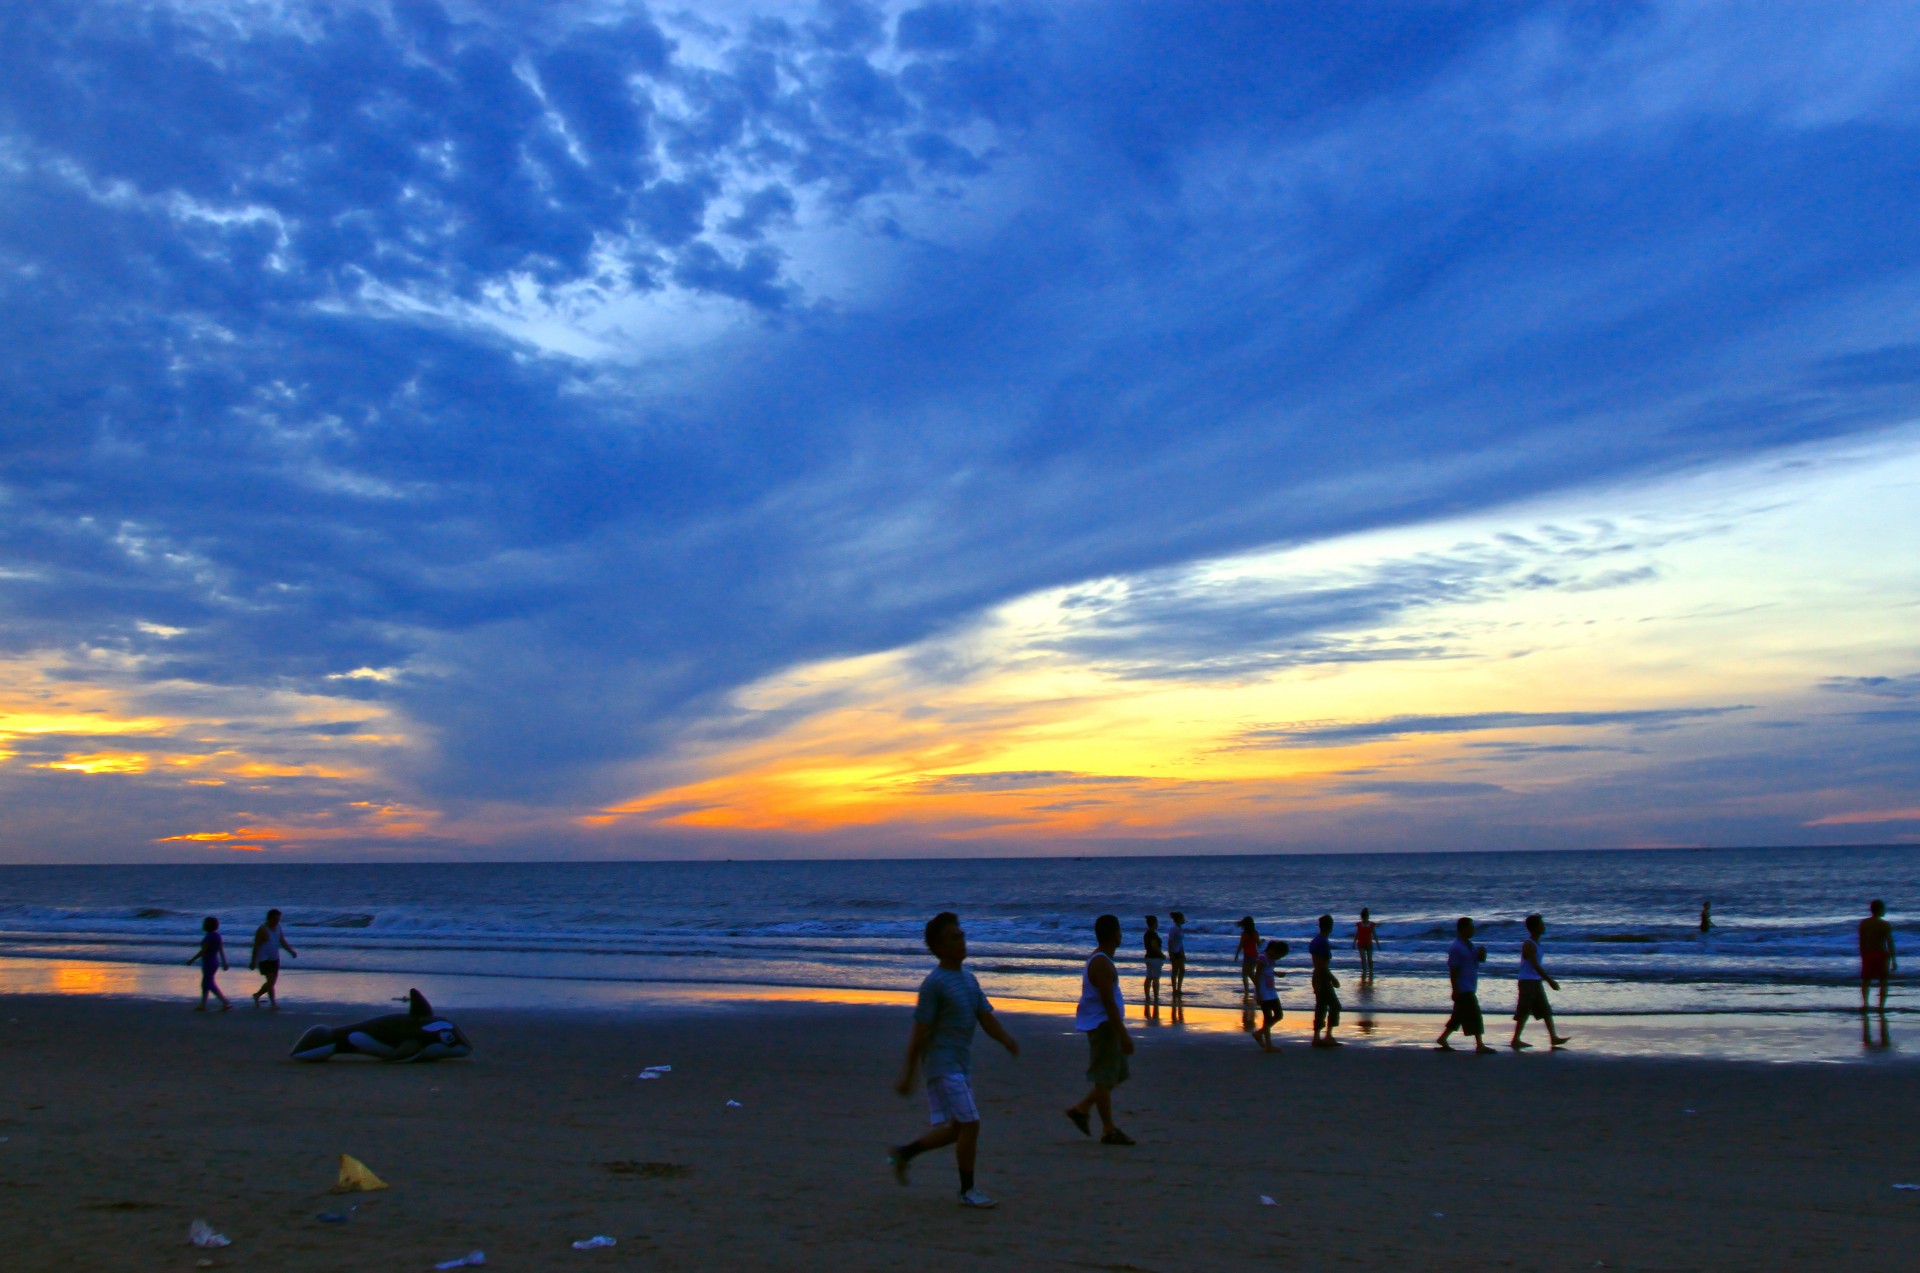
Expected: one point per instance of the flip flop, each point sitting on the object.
(1116, 1137)
(1081, 1121)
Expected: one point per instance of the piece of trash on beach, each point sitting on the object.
(465, 1261)
(355, 1177)
(649, 1074)
(203, 1263)
(333, 1217)
(599, 1240)
(200, 1233)
(1686, 1111)
(735, 1105)
(1267, 1202)
(658, 1069)
(1907, 1186)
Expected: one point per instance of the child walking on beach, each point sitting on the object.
(1267, 992)
(951, 1004)
(1156, 960)
(268, 942)
(1463, 973)
(1102, 1017)
(1326, 1004)
(1534, 979)
(212, 951)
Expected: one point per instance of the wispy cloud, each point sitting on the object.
(1347, 733)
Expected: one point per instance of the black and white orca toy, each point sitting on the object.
(414, 1035)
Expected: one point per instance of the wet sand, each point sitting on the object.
(125, 1120)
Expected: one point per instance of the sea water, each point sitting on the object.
(1623, 932)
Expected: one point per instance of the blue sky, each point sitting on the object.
(526, 429)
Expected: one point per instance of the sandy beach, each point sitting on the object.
(126, 1120)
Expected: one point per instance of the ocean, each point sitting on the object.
(1623, 935)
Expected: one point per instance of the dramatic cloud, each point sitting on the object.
(483, 397)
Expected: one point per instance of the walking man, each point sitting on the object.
(951, 1004)
(1326, 1004)
(1877, 958)
(1534, 979)
(1102, 1017)
(268, 942)
(1463, 972)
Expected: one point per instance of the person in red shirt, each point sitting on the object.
(1366, 936)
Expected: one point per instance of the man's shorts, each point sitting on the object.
(1273, 1006)
(1466, 1015)
(950, 1100)
(1533, 1001)
(1326, 1006)
(269, 968)
(1154, 966)
(1873, 965)
(1107, 1064)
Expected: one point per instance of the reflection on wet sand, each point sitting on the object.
(1753, 1036)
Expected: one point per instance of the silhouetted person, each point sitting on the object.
(1326, 1004)
(1706, 916)
(1102, 1017)
(1534, 979)
(1877, 958)
(1177, 952)
(951, 1004)
(1156, 959)
(1463, 974)
(1366, 937)
(268, 942)
(1267, 992)
(212, 958)
(1249, 952)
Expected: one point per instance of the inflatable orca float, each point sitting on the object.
(414, 1035)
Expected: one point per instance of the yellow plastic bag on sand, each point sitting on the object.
(355, 1178)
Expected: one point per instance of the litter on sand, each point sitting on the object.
(649, 1074)
(588, 1244)
(465, 1261)
(200, 1233)
(1907, 1186)
(658, 1069)
(1267, 1202)
(355, 1177)
(735, 1105)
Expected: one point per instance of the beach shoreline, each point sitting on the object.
(1793, 1034)
(127, 1119)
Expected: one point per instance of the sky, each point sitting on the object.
(544, 430)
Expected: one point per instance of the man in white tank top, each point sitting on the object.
(1533, 995)
(1102, 1017)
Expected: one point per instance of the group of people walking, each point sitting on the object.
(951, 1005)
